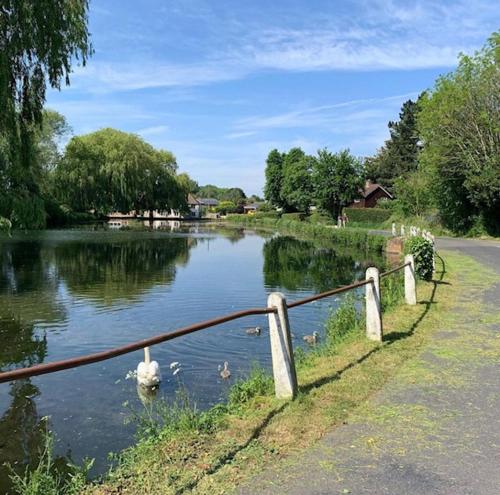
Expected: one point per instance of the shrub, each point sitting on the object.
(295, 217)
(423, 254)
(267, 214)
(319, 218)
(5, 225)
(367, 215)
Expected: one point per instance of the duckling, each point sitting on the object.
(253, 330)
(225, 373)
(311, 339)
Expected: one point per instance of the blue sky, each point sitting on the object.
(222, 82)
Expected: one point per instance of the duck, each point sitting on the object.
(148, 372)
(224, 372)
(253, 330)
(311, 339)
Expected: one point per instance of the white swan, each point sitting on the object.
(148, 372)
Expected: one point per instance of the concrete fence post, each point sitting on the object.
(285, 376)
(373, 306)
(410, 281)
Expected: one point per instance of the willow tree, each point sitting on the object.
(39, 41)
(113, 170)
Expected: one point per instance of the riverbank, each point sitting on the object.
(355, 237)
(215, 451)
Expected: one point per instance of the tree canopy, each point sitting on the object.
(399, 155)
(460, 128)
(337, 180)
(114, 170)
(39, 41)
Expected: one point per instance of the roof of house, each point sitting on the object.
(192, 200)
(371, 188)
(208, 201)
(251, 206)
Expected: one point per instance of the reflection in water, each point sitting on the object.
(108, 272)
(22, 431)
(293, 264)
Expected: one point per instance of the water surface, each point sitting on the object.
(73, 292)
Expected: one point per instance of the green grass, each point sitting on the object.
(359, 238)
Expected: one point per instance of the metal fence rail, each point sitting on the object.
(278, 323)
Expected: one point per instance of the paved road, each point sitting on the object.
(436, 437)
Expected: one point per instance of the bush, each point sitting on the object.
(267, 214)
(319, 218)
(423, 254)
(5, 225)
(367, 215)
(294, 217)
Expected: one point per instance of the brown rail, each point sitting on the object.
(329, 293)
(42, 369)
(394, 270)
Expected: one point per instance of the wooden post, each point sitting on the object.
(285, 376)
(410, 281)
(373, 307)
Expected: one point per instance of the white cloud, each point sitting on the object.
(153, 130)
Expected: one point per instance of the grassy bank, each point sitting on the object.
(355, 237)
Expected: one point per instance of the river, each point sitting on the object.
(66, 293)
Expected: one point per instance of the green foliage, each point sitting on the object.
(5, 225)
(367, 215)
(297, 187)
(112, 170)
(274, 178)
(423, 255)
(225, 207)
(187, 184)
(267, 214)
(258, 383)
(342, 322)
(399, 156)
(294, 217)
(317, 217)
(413, 194)
(28, 211)
(459, 123)
(359, 238)
(47, 479)
(392, 290)
(39, 41)
(337, 179)
(234, 194)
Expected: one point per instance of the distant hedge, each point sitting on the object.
(359, 238)
(367, 215)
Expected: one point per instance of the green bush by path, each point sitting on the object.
(423, 254)
(360, 238)
(367, 215)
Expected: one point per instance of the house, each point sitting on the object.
(194, 206)
(208, 202)
(250, 208)
(370, 195)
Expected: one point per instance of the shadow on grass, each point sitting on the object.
(389, 339)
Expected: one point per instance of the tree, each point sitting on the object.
(38, 42)
(399, 155)
(296, 189)
(188, 185)
(274, 178)
(413, 194)
(113, 170)
(337, 179)
(459, 123)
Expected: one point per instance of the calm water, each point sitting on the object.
(73, 292)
